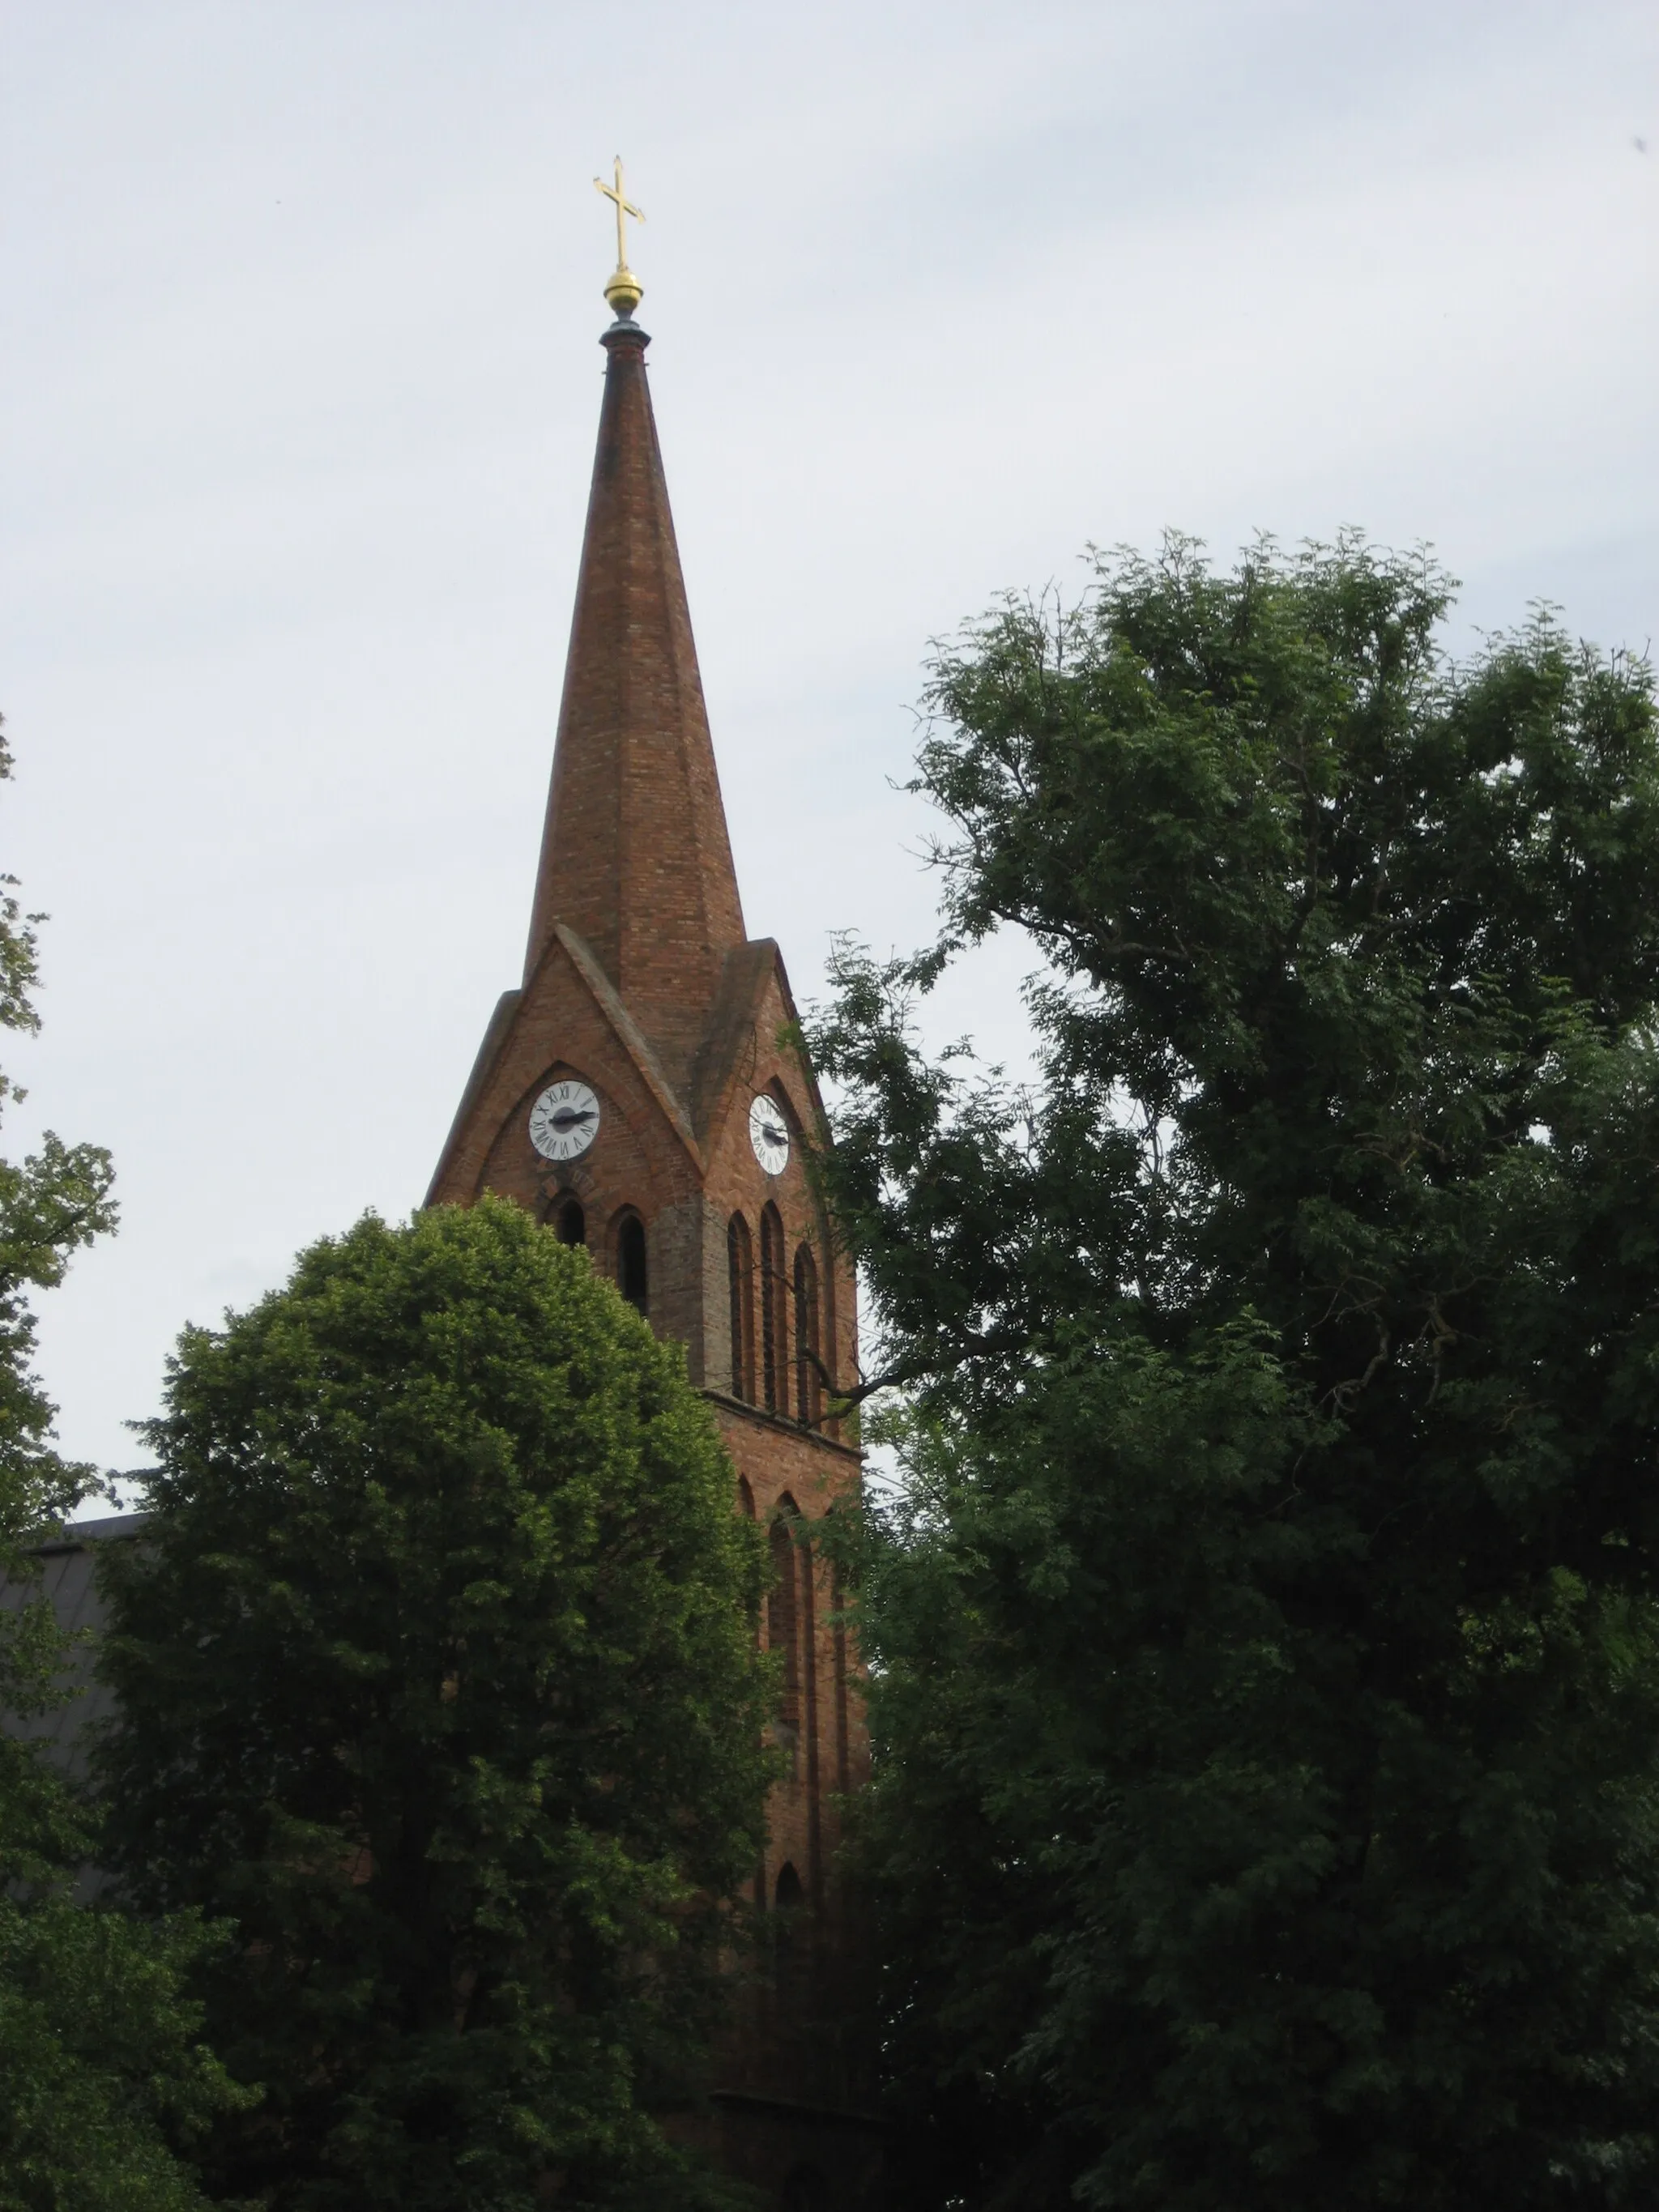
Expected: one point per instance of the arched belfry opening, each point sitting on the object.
(570, 1221)
(631, 1272)
(741, 1277)
(809, 1376)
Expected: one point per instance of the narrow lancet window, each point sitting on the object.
(788, 1941)
(775, 1318)
(631, 1262)
(570, 1223)
(783, 1619)
(809, 1380)
(740, 1267)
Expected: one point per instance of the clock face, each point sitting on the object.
(769, 1133)
(564, 1120)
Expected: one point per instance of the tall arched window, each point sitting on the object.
(570, 1223)
(745, 1497)
(782, 1619)
(809, 1385)
(631, 1262)
(774, 1317)
(740, 1267)
(838, 1653)
(790, 1941)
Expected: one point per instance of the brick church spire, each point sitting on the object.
(644, 1093)
(635, 857)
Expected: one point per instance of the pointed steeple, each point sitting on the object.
(636, 858)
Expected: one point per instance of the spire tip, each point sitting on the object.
(624, 291)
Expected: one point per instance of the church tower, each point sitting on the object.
(640, 1090)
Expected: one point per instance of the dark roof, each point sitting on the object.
(76, 1536)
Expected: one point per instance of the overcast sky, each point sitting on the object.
(300, 309)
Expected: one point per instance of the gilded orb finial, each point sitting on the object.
(624, 291)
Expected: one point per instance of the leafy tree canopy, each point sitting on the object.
(437, 1671)
(51, 1206)
(100, 2069)
(1266, 1691)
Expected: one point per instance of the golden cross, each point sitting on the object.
(625, 207)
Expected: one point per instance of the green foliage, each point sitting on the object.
(438, 1673)
(1266, 1649)
(56, 1201)
(100, 2059)
(101, 2070)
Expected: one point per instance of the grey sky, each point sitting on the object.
(299, 306)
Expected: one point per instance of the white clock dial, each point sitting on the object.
(564, 1120)
(769, 1133)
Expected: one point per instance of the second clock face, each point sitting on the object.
(564, 1120)
(769, 1133)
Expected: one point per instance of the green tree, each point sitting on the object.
(437, 1673)
(1266, 1641)
(100, 2066)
